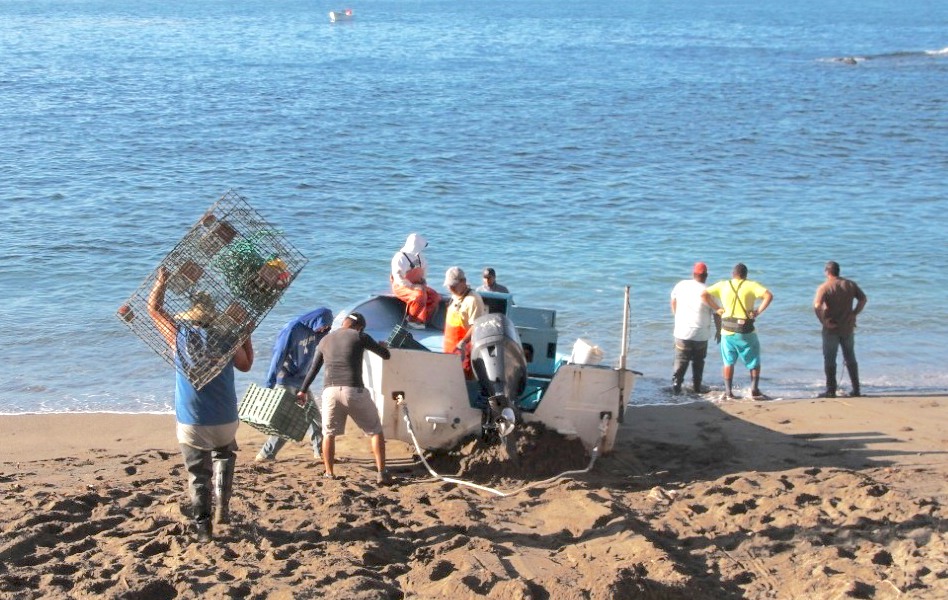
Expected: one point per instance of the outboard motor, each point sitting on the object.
(500, 367)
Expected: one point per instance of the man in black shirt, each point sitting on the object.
(344, 393)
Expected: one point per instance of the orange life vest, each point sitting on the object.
(454, 332)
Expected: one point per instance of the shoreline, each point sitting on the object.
(797, 498)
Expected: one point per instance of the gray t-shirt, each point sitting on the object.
(341, 351)
(496, 288)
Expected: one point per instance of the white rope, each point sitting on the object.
(603, 425)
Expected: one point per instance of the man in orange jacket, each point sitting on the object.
(465, 307)
(408, 272)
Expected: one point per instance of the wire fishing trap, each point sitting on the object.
(227, 272)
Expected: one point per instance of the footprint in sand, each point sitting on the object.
(720, 489)
(876, 489)
(740, 508)
(804, 499)
(154, 547)
(858, 589)
(441, 570)
(845, 553)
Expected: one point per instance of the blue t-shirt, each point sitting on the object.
(214, 404)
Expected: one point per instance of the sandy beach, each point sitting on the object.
(835, 498)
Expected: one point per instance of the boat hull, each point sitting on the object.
(585, 401)
(433, 387)
(336, 16)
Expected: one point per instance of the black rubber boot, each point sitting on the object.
(697, 374)
(201, 509)
(223, 486)
(679, 368)
(200, 472)
(204, 529)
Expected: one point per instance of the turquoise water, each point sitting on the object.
(576, 148)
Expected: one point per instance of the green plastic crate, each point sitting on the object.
(402, 338)
(275, 412)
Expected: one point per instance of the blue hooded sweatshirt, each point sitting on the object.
(294, 348)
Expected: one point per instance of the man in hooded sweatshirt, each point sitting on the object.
(292, 356)
(409, 268)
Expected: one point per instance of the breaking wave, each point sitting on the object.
(900, 55)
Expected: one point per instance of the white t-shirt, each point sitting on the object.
(693, 319)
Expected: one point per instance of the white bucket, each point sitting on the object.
(585, 353)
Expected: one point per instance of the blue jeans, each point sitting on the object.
(831, 345)
(275, 443)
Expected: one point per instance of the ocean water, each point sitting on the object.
(578, 148)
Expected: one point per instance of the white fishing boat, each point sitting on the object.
(340, 15)
(519, 377)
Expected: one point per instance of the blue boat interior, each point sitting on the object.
(385, 317)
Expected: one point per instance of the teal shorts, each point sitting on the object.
(743, 345)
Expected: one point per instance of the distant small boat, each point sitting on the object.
(340, 15)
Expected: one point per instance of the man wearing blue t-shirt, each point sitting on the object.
(206, 418)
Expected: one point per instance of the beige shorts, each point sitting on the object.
(340, 402)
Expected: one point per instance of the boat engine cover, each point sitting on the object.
(497, 357)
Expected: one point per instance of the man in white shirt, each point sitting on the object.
(409, 268)
(695, 324)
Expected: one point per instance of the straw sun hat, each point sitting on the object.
(202, 310)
